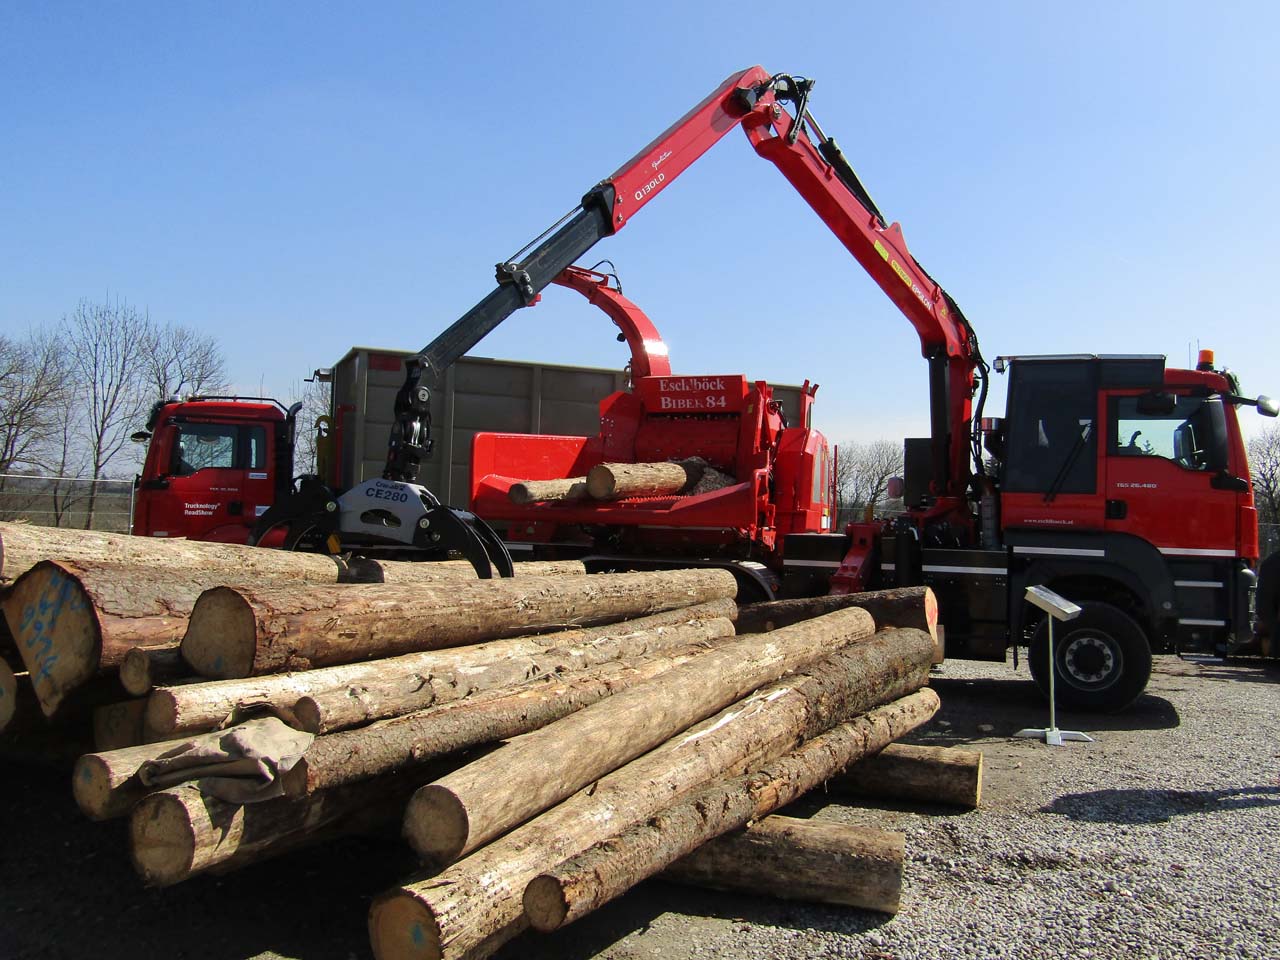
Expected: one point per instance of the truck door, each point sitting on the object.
(1051, 476)
(217, 480)
(1165, 453)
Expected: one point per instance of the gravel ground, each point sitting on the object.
(1160, 840)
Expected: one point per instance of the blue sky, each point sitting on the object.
(1086, 177)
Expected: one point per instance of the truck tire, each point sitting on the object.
(1102, 658)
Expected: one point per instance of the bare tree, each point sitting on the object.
(862, 474)
(180, 361)
(65, 458)
(32, 389)
(1264, 464)
(315, 398)
(107, 344)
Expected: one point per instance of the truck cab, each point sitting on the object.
(214, 464)
(1124, 486)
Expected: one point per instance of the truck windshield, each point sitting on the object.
(1193, 434)
(201, 446)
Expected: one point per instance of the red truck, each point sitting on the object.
(1113, 480)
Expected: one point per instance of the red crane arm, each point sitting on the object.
(879, 248)
(821, 175)
(752, 100)
(649, 356)
(672, 152)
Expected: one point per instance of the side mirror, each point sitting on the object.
(895, 488)
(142, 436)
(1267, 407)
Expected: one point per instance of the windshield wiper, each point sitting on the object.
(1052, 493)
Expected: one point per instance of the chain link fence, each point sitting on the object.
(65, 501)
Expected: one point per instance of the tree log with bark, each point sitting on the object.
(244, 631)
(475, 905)
(450, 818)
(22, 546)
(915, 607)
(817, 861)
(417, 738)
(25, 545)
(397, 694)
(177, 833)
(75, 620)
(72, 621)
(145, 668)
(542, 491)
(446, 674)
(105, 783)
(614, 481)
(610, 868)
(916, 774)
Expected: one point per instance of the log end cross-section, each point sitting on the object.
(403, 928)
(224, 622)
(163, 839)
(443, 835)
(56, 632)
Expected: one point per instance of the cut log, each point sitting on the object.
(172, 711)
(74, 620)
(146, 667)
(449, 819)
(523, 568)
(915, 607)
(817, 861)
(539, 491)
(613, 481)
(105, 784)
(416, 738)
(8, 694)
(22, 546)
(610, 868)
(476, 903)
(903, 771)
(177, 833)
(247, 631)
(25, 545)
(118, 725)
(398, 693)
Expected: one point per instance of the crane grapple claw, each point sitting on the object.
(308, 515)
(450, 529)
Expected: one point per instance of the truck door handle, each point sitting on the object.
(1117, 509)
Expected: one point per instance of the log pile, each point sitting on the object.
(543, 743)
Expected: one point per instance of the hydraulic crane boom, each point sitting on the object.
(751, 100)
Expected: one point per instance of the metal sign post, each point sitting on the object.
(1058, 608)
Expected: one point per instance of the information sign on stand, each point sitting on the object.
(1058, 608)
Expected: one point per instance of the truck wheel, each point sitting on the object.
(1102, 658)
